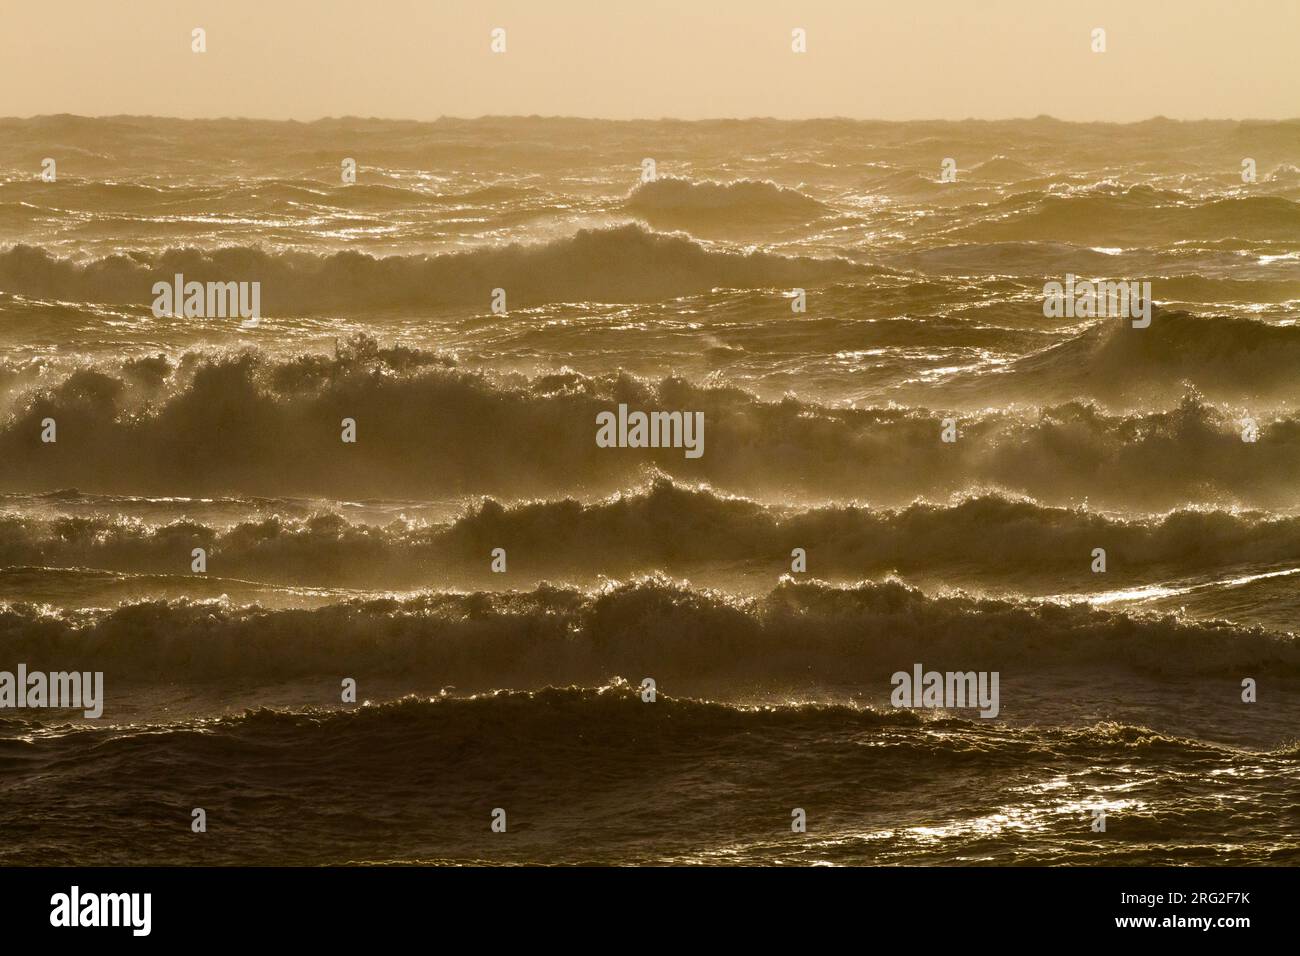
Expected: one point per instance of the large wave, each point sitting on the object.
(810, 633)
(596, 774)
(682, 531)
(246, 424)
(617, 264)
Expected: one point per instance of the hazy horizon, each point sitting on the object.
(946, 60)
(562, 117)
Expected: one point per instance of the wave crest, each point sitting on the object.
(800, 632)
(625, 263)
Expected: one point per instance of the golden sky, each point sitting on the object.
(420, 59)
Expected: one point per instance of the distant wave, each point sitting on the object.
(1135, 214)
(1002, 169)
(1008, 257)
(241, 197)
(807, 632)
(673, 201)
(1209, 270)
(619, 264)
(1225, 358)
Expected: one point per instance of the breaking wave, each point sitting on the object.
(666, 527)
(248, 424)
(618, 264)
(798, 633)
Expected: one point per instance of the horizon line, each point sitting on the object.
(556, 117)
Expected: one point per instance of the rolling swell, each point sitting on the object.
(641, 782)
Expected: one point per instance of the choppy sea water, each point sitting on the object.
(1120, 691)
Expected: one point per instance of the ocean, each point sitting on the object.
(567, 650)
